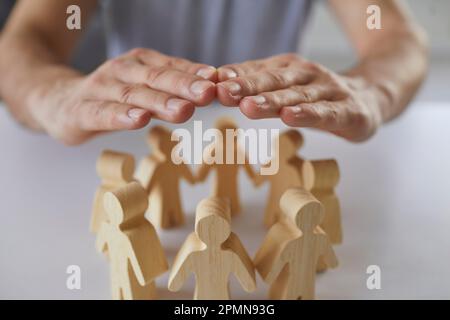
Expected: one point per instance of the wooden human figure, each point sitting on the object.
(160, 177)
(320, 178)
(135, 252)
(289, 172)
(212, 253)
(226, 172)
(288, 257)
(115, 169)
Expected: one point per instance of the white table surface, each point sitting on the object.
(394, 190)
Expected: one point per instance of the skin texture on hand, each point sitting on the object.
(45, 94)
(124, 94)
(301, 94)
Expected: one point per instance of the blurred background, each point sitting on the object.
(324, 42)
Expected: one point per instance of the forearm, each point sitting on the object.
(35, 44)
(395, 68)
(28, 68)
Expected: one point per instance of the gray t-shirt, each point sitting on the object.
(215, 32)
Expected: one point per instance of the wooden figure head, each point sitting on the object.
(320, 174)
(290, 142)
(225, 123)
(126, 204)
(115, 167)
(302, 208)
(212, 221)
(160, 140)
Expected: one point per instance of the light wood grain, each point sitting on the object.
(288, 257)
(226, 170)
(160, 177)
(212, 253)
(289, 173)
(115, 169)
(135, 252)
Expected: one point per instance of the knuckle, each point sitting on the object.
(314, 67)
(289, 57)
(249, 83)
(113, 64)
(304, 95)
(277, 77)
(154, 74)
(137, 52)
(175, 62)
(274, 98)
(126, 94)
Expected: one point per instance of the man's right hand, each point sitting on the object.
(123, 94)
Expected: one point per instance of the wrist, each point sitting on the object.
(46, 96)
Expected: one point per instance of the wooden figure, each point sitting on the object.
(226, 172)
(134, 249)
(115, 169)
(212, 253)
(160, 177)
(288, 257)
(289, 173)
(320, 178)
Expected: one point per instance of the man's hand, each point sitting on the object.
(302, 94)
(123, 94)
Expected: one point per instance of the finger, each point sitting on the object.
(269, 104)
(325, 115)
(231, 71)
(154, 58)
(232, 91)
(166, 79)
(240, 69)
(109, 116)
(162, 105)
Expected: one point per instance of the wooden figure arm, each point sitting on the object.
(274, 252)
(146, 172)
(259, 178)
(101, 243)
(244, 270)
(146, 254)
(330, 256)
(186, 173)
(140, 276)
(203, 172)
(179, 274)
(182, 265)
(276, 265)
(245, 276)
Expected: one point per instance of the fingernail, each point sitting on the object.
(233, 87)
(206, 72)
(229, 73)
(175, 104)
(136, 113)
(199, 87)
(296, 109)
(260, 100)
